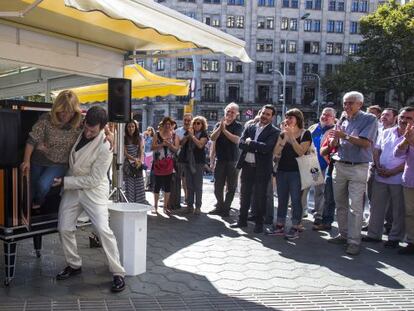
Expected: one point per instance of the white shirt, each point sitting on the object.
(250, 155)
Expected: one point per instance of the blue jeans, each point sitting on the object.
(329, 202)
(288, 184)
(42, 179)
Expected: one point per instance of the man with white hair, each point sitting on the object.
(354, 136)
(226, 136)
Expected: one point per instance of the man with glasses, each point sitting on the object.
(354, 136)
(181, 132)
(226, 136)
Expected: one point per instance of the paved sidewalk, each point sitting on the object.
(198, 256)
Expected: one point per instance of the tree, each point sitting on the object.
(385, 60)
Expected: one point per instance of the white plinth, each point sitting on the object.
(128, 221)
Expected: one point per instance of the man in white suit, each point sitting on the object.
(86, 189)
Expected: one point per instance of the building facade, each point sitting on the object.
(313, 37)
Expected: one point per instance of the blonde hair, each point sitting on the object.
(202, 120)
(66, 101)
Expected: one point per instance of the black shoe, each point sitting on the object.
(391, 244)
(371, 240)
(258, 228)
(251, 218)
(68, 272)
(408, 250)
(365, 228)
(94, 241)
(215, 211)
(238, 225)
(225, 214)
(118, 284)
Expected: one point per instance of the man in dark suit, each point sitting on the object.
(255, 162)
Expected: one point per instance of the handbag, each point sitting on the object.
(164, 166)
(309, 169)
(131, 170)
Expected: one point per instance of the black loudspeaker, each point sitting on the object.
(119, 100)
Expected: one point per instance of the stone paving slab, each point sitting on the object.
(200, 255)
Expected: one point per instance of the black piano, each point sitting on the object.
(17, 221)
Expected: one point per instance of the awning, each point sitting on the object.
(138, 25)
(144, 84)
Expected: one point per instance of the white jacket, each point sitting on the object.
(87, 174)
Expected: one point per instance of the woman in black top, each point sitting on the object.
(195, 158)
(293, 142)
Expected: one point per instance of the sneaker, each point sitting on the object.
(353, 249)
(277, 230)
(339, 240)
(197, 211)
(293, 234)
(391, 244)
(408, 250)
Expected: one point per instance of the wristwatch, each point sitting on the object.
(347, 137)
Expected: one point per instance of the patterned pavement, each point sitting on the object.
(200, 256)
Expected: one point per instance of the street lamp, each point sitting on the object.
(319, 91)
(303, 17)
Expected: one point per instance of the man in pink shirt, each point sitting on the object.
(387, 186)
(406, 150)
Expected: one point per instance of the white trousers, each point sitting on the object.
(70, 209)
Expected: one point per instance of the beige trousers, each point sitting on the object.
(349, 184)
(69, 211)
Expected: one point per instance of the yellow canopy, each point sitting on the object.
(144, 84)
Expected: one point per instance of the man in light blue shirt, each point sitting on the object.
(354, 137)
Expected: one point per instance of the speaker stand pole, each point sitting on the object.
(117, 194)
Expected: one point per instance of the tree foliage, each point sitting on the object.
(386, 58)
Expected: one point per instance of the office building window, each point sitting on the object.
(210, 65)
(260, 45)
(291, 46)
(313, 4)
(210, 114)
(235, 2)
(231, 21)
(359, 6)
(310, 68)
(353, 28)
(234, 66)
(353, 48)
(334, 48)
(212, 20)
(290, 4)
(141, 62)
(160, 64)
(289, 23)
(335, 26)
(214, 65)
(270, 22)
(312, 25)
(311, 47)
(184, 64)
(261, 22)
(269, 45)
(259, 67)
(269, 3)
(209, 91)
(291, 68)
(309, 4)
(336, 5)
(318, 4)
(239, 21)
(212, 1)
(339, 26)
